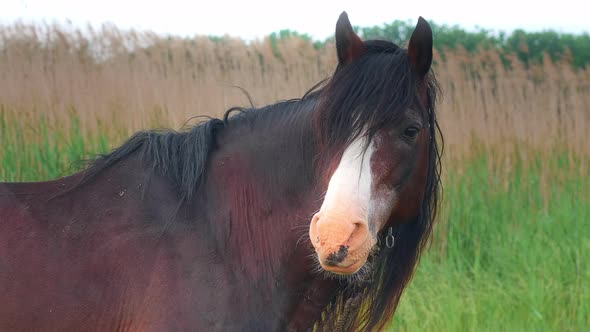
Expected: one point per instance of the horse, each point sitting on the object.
(307, 214)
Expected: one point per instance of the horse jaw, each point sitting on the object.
(344, 231)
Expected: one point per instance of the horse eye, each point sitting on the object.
(411, 132)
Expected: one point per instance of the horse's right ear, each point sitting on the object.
(348, 45)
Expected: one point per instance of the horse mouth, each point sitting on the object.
(344, 269)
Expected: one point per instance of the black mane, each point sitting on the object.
(182, 156)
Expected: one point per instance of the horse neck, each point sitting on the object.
(261, 192)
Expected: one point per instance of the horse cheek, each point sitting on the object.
(412, 195)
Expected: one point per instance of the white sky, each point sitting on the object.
(257, 18)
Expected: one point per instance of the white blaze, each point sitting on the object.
(349, 188)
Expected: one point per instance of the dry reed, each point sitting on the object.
(131, 80)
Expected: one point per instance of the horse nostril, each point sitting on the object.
(313, 229)
(337, 257)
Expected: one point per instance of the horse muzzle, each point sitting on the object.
(342, 243)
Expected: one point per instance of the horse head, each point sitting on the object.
(375, 120)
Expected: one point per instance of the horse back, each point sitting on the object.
(85, 257)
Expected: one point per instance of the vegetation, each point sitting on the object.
(511, 252)
(511, 249)
(529, 46)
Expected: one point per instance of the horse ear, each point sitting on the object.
(420, 48)
(348, 45)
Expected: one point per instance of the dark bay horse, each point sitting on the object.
(309, 213)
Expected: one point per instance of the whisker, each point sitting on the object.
(304, 236)
(300, 227)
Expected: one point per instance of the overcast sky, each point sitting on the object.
(250, 19)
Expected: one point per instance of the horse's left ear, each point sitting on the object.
(348, 45)
(420, 48)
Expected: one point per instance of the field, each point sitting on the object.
(511, 249)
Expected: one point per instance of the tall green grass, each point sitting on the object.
(509, 254)
(511, 250)
(36, 150)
